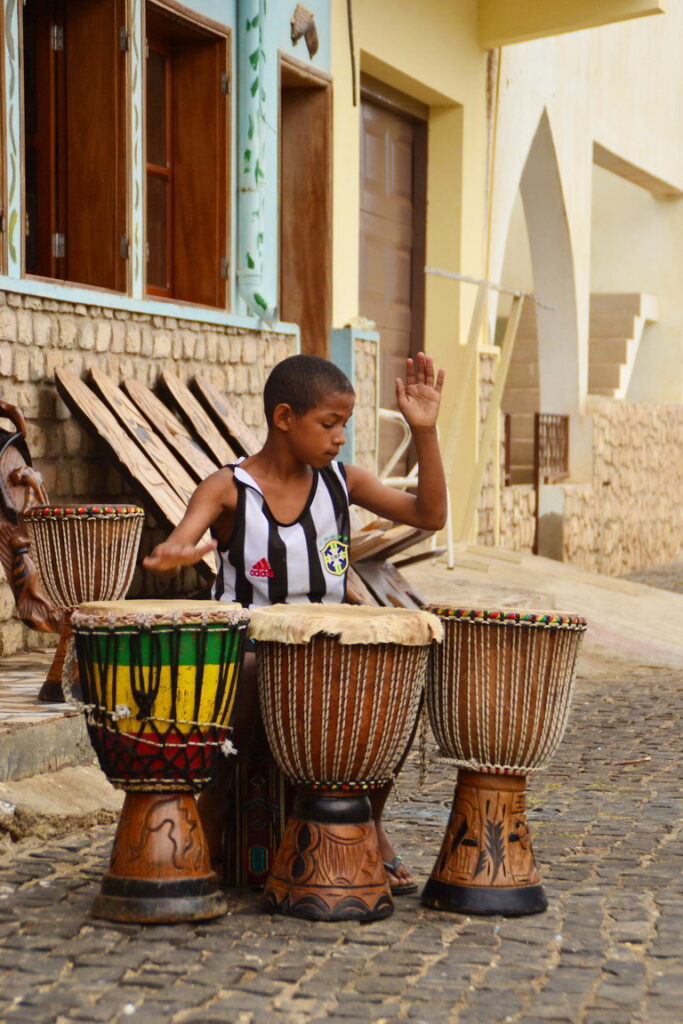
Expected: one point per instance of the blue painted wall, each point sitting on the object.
(277, 40)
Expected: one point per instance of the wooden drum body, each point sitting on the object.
(340, 689)
(158, 681)
(498, 698)
(83, 553)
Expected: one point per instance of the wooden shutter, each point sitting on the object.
(200, 114)
(95, 197)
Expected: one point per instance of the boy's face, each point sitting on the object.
(317, 435)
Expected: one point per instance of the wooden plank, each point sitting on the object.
(420, 557)
(387, 585)
(131, 460)
(364, 543)
(139, 429)
(356, 591)
(233, 426)
(172, 431)
(198, 422)
(387, 543)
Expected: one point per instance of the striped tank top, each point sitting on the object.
(266, 562)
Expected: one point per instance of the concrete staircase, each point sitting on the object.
(616, 327)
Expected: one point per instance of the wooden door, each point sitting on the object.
(392, 219)
(306, 204)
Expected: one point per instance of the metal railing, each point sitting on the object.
(551, 447)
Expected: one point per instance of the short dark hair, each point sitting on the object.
(302, 382)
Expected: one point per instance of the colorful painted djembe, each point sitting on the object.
(83, 553)
(340, 689)
(158, 681)
(498, 698)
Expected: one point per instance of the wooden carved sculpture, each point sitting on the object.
(303, 24)
(21, 487)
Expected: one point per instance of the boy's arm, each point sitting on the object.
(213, 497)
(418, 399)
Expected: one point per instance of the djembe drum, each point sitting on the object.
(498, 698)
(83, 553)
(340, 689)
(158, 681)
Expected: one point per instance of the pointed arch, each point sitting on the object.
(562, 362)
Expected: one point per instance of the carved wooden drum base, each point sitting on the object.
(160, 870)
(486, 863)
(328, 866)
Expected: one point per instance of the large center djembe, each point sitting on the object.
(158, 681)
(340, 689)
(498, 698)
(83, 553)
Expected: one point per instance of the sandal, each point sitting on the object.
(398, 887)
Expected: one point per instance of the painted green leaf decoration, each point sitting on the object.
(250, 132)
(250, 261)
(260, 301)
(14, 217)
(254, 86)
(254, 58)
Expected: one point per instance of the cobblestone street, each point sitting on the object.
(607, 824)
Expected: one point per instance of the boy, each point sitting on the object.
(280, 518)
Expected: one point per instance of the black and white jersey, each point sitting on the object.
(265, 562)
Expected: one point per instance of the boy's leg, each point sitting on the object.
(400, 879)
(211, 800)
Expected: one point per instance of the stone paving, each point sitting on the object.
(607, 824)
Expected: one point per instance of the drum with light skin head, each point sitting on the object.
(83, 553)
(340, 689)
(158, 681)
(498, 698)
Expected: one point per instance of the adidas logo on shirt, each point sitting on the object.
(261, 568)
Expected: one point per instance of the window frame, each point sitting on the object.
(171, 20)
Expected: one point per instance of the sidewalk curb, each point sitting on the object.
(44, 746)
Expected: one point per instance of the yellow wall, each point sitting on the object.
(430, 52)
(502, 22)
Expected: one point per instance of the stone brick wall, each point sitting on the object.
(631, 514)
(38, 335)
(517, 517)
(365, 411)
(486, 514)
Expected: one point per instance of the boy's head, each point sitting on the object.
(302, 382)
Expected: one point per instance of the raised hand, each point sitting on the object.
(170, 555)
(419, 398)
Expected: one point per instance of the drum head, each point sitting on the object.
(42, 513)
(508, 617)
(154, 612)
(349, 624)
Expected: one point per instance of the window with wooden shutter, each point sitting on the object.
(187, 118)
(74, 65)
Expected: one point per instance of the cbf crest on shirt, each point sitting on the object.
(267, 562)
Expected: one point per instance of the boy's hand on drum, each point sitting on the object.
(419, 398)
(171, 555)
